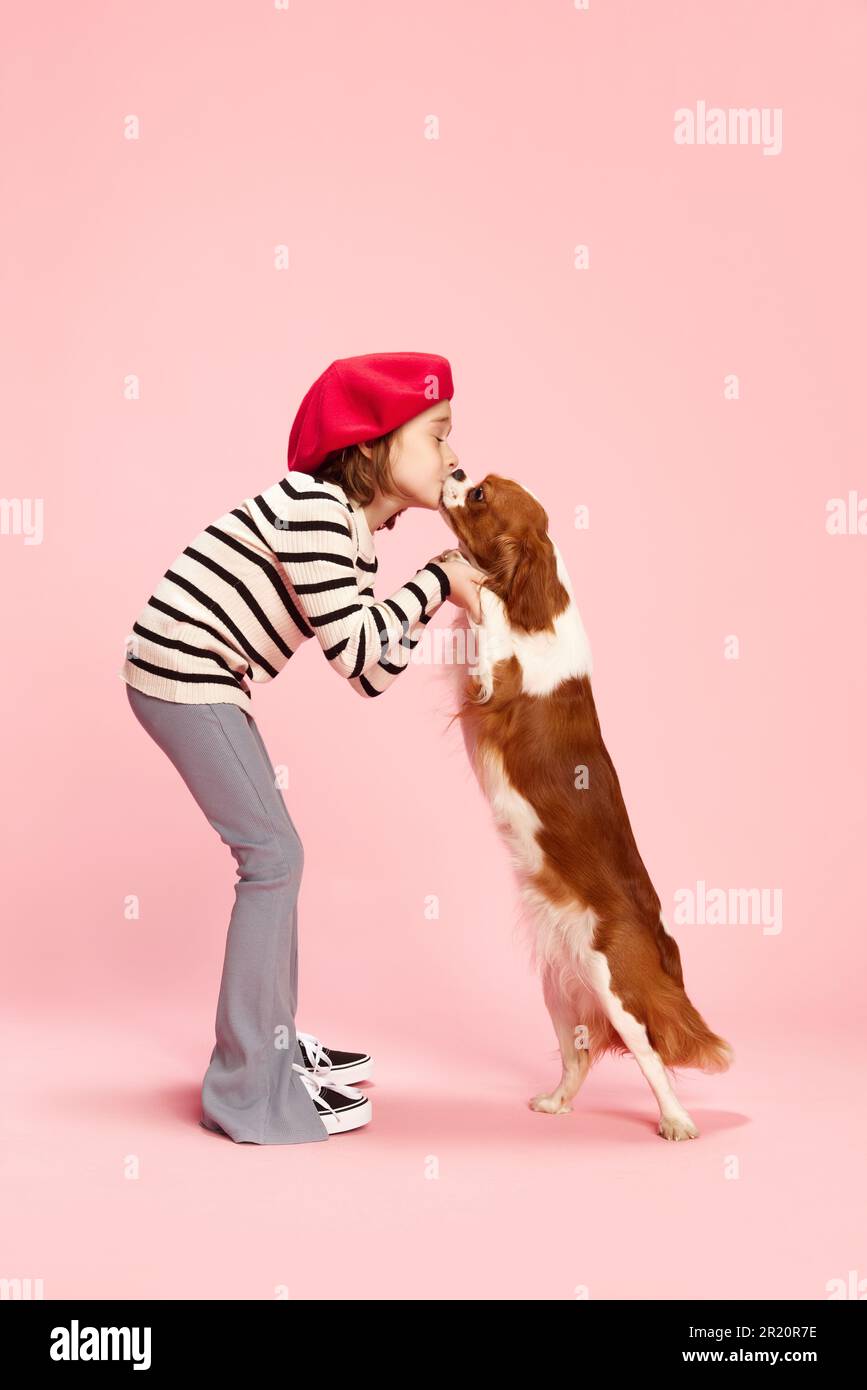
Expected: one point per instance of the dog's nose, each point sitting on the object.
(459, 475)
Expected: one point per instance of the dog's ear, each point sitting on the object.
(526, 580)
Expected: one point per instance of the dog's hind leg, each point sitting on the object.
(674, 1122)
(575, 1056)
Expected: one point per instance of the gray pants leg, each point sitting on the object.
(250, 1091)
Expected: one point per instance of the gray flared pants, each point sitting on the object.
(250, 1090)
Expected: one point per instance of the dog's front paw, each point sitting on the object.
(550, 1105)
(677, 1127)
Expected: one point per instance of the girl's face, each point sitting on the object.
(422, 457)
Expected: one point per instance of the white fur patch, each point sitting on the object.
(546, 659)
(516, 819)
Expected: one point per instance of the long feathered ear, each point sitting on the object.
(527, 581)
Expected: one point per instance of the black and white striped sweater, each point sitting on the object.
(296, 561)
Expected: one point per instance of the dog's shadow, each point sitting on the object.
(492, 1116)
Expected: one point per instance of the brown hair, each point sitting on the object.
(360, 476)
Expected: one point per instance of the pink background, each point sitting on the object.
(602, 387)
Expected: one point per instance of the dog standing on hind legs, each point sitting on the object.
(611, 974)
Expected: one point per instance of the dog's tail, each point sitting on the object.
(684, 1038)
(677, 1031)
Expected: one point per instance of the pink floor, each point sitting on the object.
(524, 1206)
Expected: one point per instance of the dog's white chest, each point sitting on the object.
(546, 658)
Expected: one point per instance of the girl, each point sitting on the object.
(296, 561)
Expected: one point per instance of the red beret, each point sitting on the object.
(360, 398)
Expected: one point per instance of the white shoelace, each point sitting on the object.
(314, 1086)
(310, 1075)
(316, 1051)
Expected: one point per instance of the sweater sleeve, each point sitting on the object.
(389, 667)
(356, 633)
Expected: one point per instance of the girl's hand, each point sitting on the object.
(464, 579)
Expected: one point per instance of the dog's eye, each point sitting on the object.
(477, 494)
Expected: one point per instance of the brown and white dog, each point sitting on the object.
(611, 973)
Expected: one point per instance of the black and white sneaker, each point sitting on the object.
(340, 1107)
(329, 1065)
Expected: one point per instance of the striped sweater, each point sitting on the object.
(296, 561)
